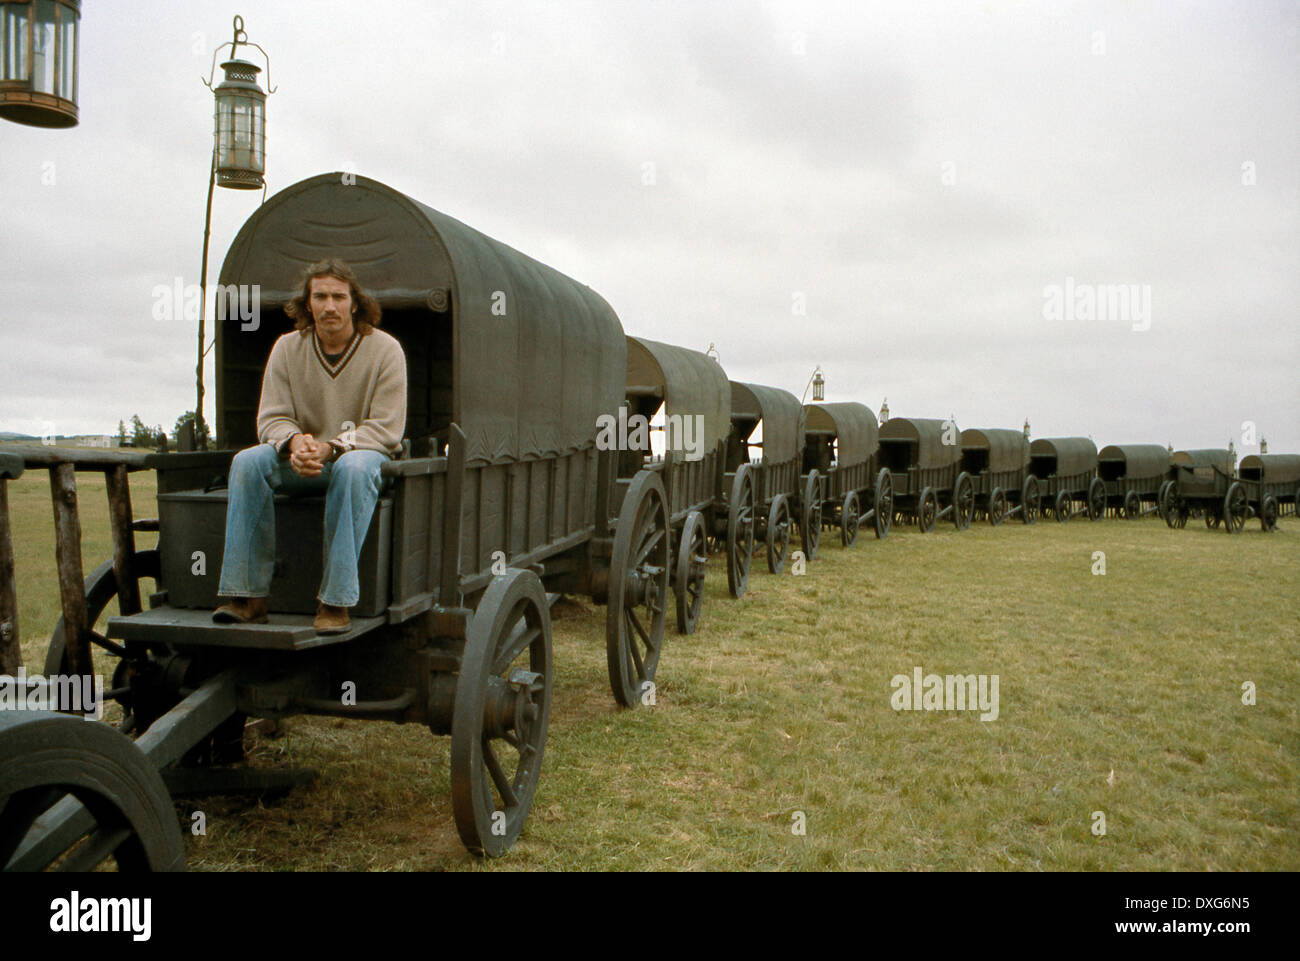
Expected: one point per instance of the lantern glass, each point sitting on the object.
(68, 58)
(44, 52)
(13, 58)
(240, 132)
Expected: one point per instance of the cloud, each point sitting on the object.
(916, 173)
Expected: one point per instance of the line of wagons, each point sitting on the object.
(509, 494)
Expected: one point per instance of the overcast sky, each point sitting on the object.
(914, 177)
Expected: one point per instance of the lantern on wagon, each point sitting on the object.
(38, 62)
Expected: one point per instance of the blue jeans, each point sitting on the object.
(351, 485)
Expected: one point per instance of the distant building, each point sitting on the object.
(94, 440)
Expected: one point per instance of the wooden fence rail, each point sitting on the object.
(63, 465)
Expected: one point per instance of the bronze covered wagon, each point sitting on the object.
(1066, 468)
(1134, 475)
(997, 463)
(1209, 483)
(924, 460)
(762, 480)
(693, 394)
(841, 462)
(503, 499)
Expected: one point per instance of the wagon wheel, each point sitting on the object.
(1096, 499)
(1030, 500)
(503, 704)
(689, 574)
(778, 533)
(1236, 508)
(1268, 512)
(810, 523)
(1169, 504)
(884, 503)
(963, 501)
(740, 531)
(44, 756)
(850, 519)
(1213, 518)
(1132, 506)
(927, 511)
(1062, 507)
(997, 506)
(108, 657)
(638, 589)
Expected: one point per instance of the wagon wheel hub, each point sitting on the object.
(642, 586)
(513, 705)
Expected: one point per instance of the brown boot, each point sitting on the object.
(241, 610)
(331, 619)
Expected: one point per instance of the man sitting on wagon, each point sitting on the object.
(333, 409)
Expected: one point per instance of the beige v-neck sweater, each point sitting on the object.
(358, 402)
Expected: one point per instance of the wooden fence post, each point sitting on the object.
(11, 655)
(72, 583)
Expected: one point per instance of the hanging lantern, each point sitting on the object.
(884, 411)
(1026, 428)
(819, 385)
(38, 62)
(240, 127)
(238, 155)
(239, 117)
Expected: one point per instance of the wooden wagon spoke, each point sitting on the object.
(503, 785)
(633, 649)
(525, 639)
(646, 548)
(99, 640)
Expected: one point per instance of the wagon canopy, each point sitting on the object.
(854, 425)
(1072, 455)
(1223, 459)
(928, 435)
(693, 384)
(781, 414)
(1008, 449)
(536, 357)
(1272, 468)
(1136, 461)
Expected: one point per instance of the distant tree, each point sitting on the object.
(122, 439)
(143, 435)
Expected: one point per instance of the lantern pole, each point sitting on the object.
(239, 37)
(200, 437)
(815, 380)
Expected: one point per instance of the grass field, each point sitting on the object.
(1119, 693)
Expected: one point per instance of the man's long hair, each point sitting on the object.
(368, 311)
